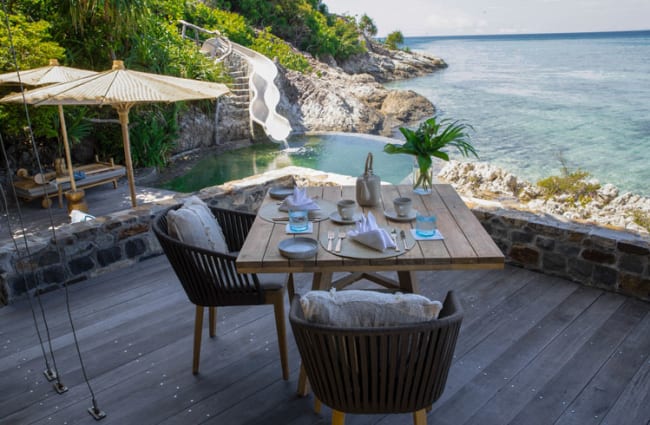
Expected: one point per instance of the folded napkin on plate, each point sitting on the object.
(368, 233)
(299, 201)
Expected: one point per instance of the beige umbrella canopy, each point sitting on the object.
(122, 89)
(51, 74)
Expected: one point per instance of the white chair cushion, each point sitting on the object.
(356, 308)
(194, 224)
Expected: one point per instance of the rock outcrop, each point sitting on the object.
(388, 65)
(330, 99)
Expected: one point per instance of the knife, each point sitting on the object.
(402, 235)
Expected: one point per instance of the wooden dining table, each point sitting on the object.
(465, 244)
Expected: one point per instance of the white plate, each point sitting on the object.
(391, 214)
(298, 248)
(336, 218)
(280, 192)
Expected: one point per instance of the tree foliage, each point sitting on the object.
(367, 26)
(32, 42)
(306, 24)
(394, 39)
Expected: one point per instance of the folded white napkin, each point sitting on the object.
(299, 201)
(368, 233)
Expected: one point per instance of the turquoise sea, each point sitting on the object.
(535, 100)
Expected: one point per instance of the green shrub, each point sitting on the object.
(231, 25)
(274, 47)
(572, 184)
(641, 218)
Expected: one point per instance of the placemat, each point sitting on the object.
(353, 249)
(271, 212)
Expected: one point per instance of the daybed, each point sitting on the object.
(94, 175)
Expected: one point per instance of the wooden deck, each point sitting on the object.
(101, 200)
(533, 350)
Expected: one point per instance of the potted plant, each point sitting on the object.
(427, 141)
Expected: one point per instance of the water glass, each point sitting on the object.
(425, 225)
(298, 220)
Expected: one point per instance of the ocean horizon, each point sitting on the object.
(541, 101)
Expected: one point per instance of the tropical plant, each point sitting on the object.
(428, 140)
(154, 133)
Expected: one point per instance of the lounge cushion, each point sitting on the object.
(194, 224)
(357, 308)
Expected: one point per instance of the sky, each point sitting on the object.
(476, 17)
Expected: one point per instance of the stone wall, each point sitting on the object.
(613, 260)
(608, 259)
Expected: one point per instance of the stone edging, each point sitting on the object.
(613, 260)
(594, 256)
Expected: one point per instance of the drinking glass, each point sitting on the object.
(425, 225)
(298, 220)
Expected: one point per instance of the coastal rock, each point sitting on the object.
(482, 181)
(328, 99)
(387, 65)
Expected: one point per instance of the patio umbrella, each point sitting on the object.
(122, 89)
(51, 74)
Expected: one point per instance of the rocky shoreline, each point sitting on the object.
(483, 183)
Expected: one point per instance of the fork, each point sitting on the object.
(342, 236)
(393, 235)
(330, 237)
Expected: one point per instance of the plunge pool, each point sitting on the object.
(340, 153)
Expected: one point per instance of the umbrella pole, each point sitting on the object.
(123, 113)
(74, 197)
(66, 147)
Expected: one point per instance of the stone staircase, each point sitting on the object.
(234, 115)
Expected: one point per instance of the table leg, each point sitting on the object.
(408, 282)
(321, 281)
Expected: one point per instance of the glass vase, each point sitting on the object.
(422, 179)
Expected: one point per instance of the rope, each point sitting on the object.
(60, 388)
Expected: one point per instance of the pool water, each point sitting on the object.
(340, 153)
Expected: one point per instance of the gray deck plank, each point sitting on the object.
(609, 383)
(553, 398)
(136, 341)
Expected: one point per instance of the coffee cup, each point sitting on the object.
(402, 206)
(346, 208)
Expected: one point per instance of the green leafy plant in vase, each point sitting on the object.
(427, 141)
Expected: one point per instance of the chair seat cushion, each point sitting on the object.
(194, 224)
(358, 308)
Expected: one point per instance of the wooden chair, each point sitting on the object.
(210, 278)
(396, 369)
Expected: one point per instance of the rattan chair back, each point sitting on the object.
(396, 369)
(210, 278)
